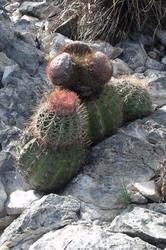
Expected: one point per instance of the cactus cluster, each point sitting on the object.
(83, 108)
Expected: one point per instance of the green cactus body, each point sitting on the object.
(46, 169)
(104, 114)
(60, 131)
(136, 100)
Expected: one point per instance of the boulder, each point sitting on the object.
(143, 223)
(49, 213)
(133, 54)
(87, 237)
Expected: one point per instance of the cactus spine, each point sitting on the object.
(52, 149)
(104, 114)
(136, 100)
(46, 169)
(60, 122)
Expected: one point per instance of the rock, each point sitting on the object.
(137, 198)
(116, 162)
(86, 189)
(49, 213)
(143, 223)
(106, 48)
(32, 8)
(142, 38)
(58, 41)
(86, 237)
(12, 6)
(154, 55)
(156, 82)
(163, 60)
(161, 36)
(158, 207)
(133, 54)
(140, 69)
(19, 200)
(15, 16)
(3, 197)
(153, 64)
(6, 221)
(11, 179)
(46, 41)
(120, 68)
(24, 54)
(158, 52)
(148, 189)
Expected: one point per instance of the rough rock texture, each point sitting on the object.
(87, 237)
(143, 223)
(19, 200)
(133, 154)
(49, 213)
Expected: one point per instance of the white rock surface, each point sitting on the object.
(148, 189)
(19, 200)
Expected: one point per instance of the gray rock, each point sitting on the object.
(134, 153)
(49, 213)
(143, 223)
(32, 8)
(154, 55)
(163, 60)
(24, 54)
(106, 48)
(156, 82)
(158, 207)
(58, 41)
(149, 189)
(3, 197)
(6, 221)
(86, 237)
(140, 69)
(142, 38)
(120, 68)
(133, 54)
(161, 36)
(12, 6)
(153, 64)
(19, 200)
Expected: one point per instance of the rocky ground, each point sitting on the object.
(90, 212)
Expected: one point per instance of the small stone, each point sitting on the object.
(148, 189)
(120, 68)
(140, 69)
(163, 60)
(153, 55)
(19, 200)
(153, 64)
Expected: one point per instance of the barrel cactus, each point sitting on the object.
(78, 69)
(47, 169)
(61, 121)
(136, 100)
(104, 114)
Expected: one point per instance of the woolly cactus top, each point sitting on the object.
(63, 102)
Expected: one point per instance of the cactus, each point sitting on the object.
(46, 169)
(79, 70)
(104, 114)
(61, 121)
(136, 100)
